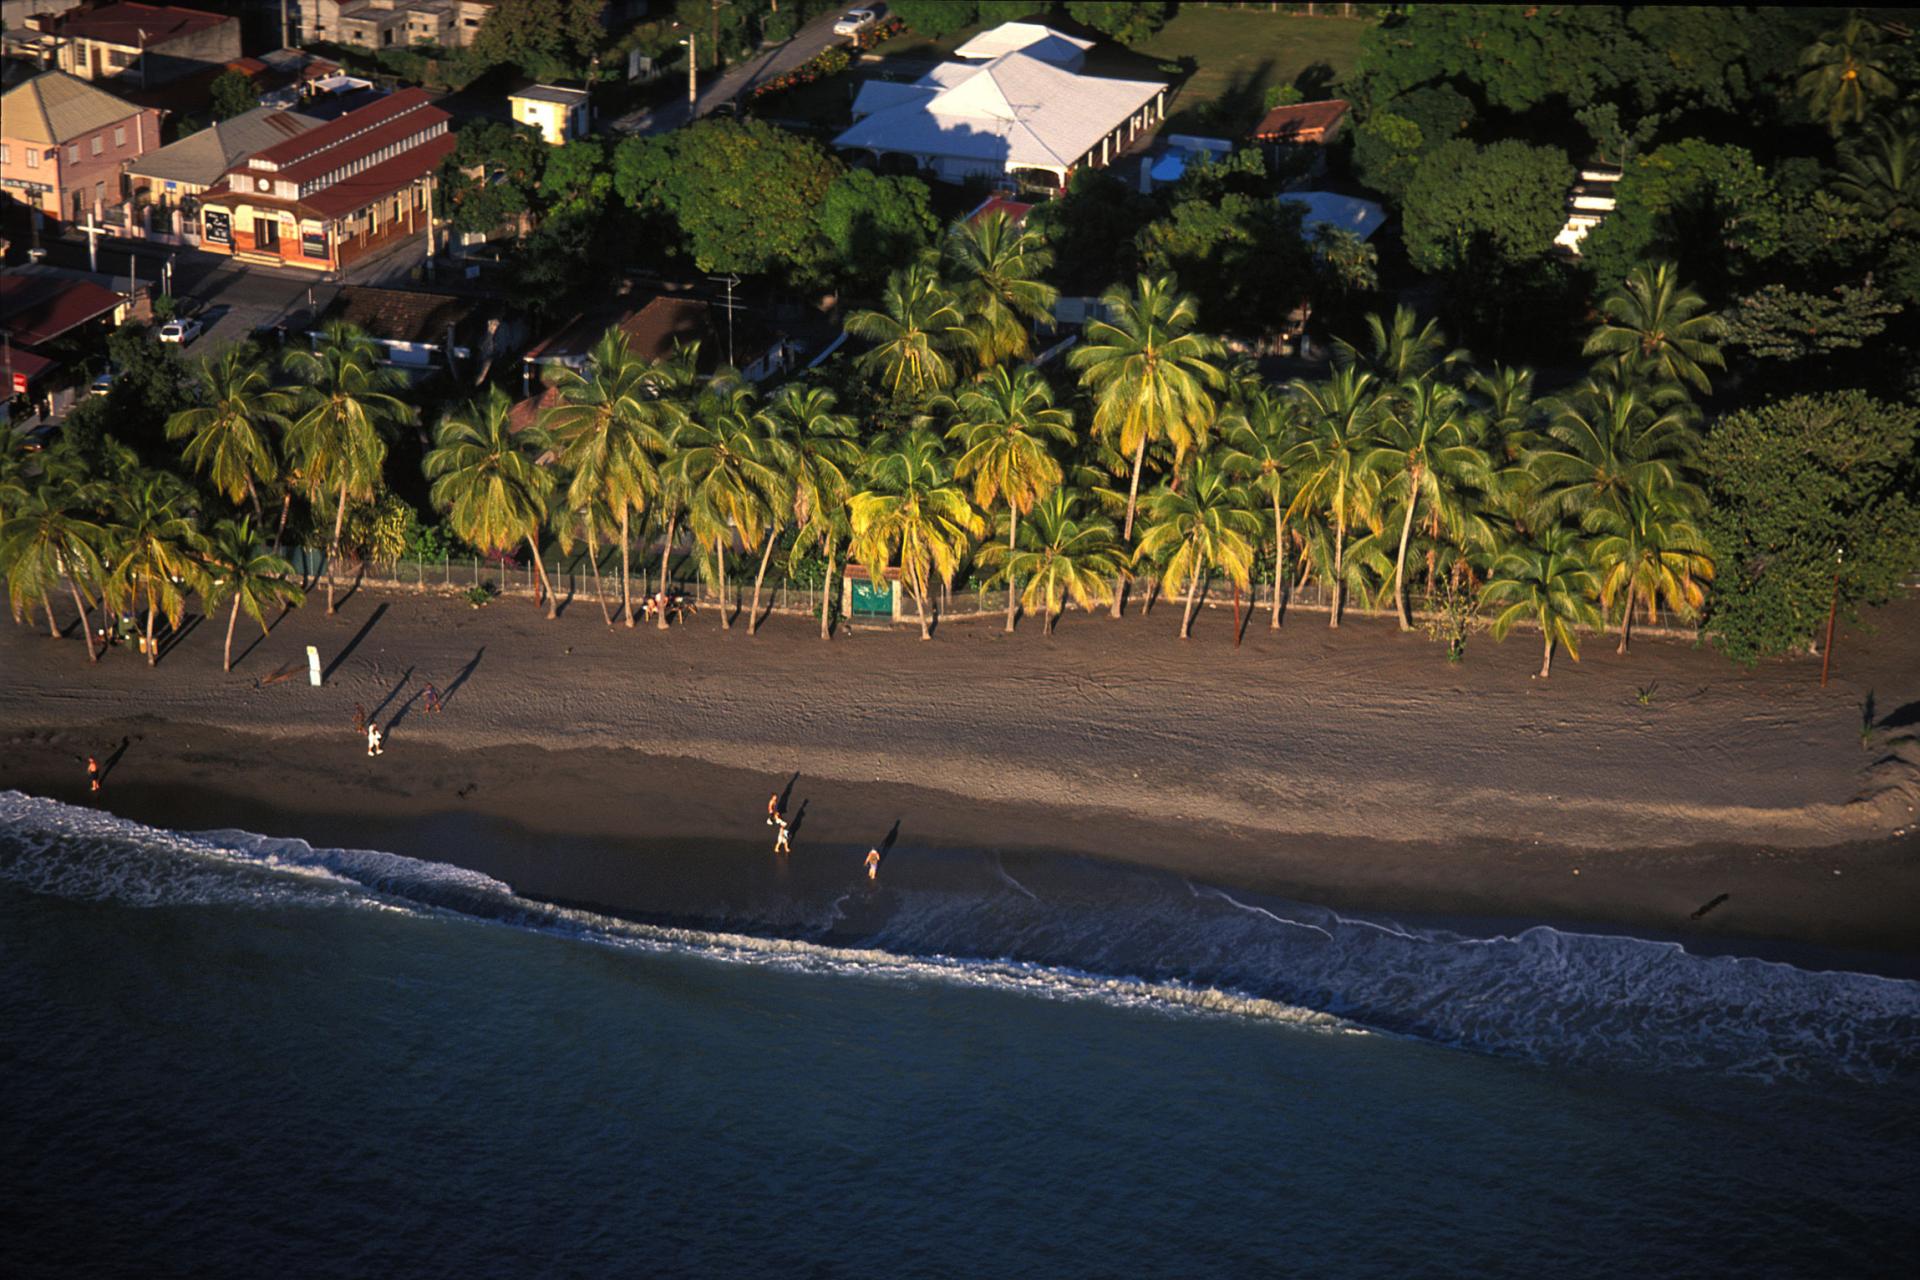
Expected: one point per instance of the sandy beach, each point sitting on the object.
(1353, 768)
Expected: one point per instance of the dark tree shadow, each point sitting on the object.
(1901, 717)
(261, 639)
(373, 620)
(374, 716)
(453, 686)
(1315, 81)
(107, 765)
(172, 639)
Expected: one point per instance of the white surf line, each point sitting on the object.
(1261, 911)
(1002, 871)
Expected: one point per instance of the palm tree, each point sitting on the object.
(1060, 554)
(610, 424)
(1402, 350)
(1659, 327)
(1149, 374)
(1506, 409)
(997, 266)
(154, 548)
(1883, 175)
(1605, 439)
(1845, 71)
(1428, 450)
(1546, 581)
(1341, 416)
(48, 538)
(229, 435)
(237, 571)
(1260, 431)
(823, 455)
(912, 511)
(489, 481)
(722, 459)
(919, 334)
(1004, 423)
(1650, 551)
(345, 401)
(1204, 523)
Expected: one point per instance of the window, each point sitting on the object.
(33, 157)
(98, 143)
(119, 135)
(6, 154)
(73, 153)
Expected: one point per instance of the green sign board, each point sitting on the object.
(872, 599)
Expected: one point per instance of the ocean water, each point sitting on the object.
(225, 1055)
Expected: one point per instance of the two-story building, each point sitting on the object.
(389, 24)
(334, 193)
(64, 142)
(141, 45)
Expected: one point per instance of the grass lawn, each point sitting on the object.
(1239, 53)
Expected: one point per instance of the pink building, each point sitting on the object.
(64, 145)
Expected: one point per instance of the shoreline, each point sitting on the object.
(1353, 769)
(676, 841)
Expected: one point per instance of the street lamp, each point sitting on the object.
(693, 65)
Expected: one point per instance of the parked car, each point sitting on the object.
(853, 22)
(181, 330)
(103, 384)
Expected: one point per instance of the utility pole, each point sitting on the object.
(1826, 650)
(730, 281)
(693, 67)
(286, 37)
(430, 236)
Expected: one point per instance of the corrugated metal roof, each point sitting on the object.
(136, 26)
(345, 133)
(202, 157)
(55, 107)
(36, 309)
(1303, 121)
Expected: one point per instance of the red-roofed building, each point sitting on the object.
(140, 44)
(325, 197)
(1016, 211)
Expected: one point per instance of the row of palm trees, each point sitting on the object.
(1151, 460)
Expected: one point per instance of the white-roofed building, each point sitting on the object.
(1015, 114)
(1331, 209)
(1030, 38)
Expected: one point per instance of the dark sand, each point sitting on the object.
(1353, 768)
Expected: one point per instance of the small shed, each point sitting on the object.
(865, 597)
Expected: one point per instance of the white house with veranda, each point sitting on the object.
(1016, 104)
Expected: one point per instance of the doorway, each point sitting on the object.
(266, 235)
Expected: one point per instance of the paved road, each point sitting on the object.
(737, 79)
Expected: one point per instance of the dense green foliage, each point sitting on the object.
(230, 94)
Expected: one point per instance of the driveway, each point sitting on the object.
(737, 79)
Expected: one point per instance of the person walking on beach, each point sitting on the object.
(433, 699)
(93, 774)
(359, 719)
(773, 808)
(873, 864)
(373, 741)
(780, 844)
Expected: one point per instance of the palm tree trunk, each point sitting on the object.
(253, 498)
(920, 602)
(227, 659)
(1048, 618)
(1339, 568)
(1546, 662)
(333, 550)
(666, 555)
(153, 653)
(826, 595)
(1126, 534)
(553, 606)
(626, 577)
(753, 615)
(280, 530)
(720, 559)
(53, 628)
(1193, 596)
(86, 631)
(1013, 528)
(1626, 625)
(1279, 561)
(1400, 560)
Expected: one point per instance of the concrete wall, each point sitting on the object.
(182, 56)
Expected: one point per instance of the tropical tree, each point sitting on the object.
(1060, 554)
(1882, 175)
(1428, 452)
(1606, 439)
(1340, 417)
(823, 455)
(920, 334)
(1259, 432)
(997, 267)
(722, 457)
(1203, 524)
(1004, 423)
(1659, 328)
(238, 571)
(344, 404)
(1846, 70)
(1544, 580)
(48, 538)
(154, 549)
(229, 435)
(488, 479)
(913, 512)
(1650, 551)
(1149, 374)
(610, 425)
(1400, 350)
